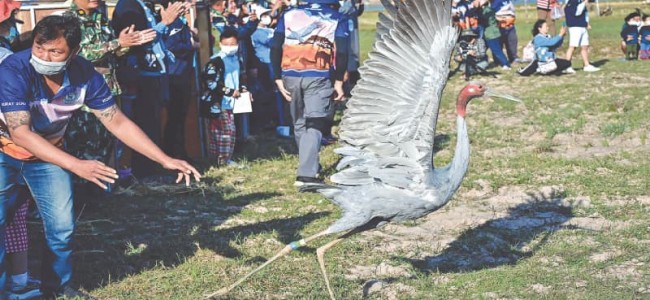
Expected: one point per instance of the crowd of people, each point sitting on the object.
(293, 60)
(635, 36)
(490, 24)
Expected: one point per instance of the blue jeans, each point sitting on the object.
(497, 52)
(51, 187)
(509, 41)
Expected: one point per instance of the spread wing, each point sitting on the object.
(389, 125)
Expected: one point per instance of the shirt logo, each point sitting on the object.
(70, 99)
(175, 31)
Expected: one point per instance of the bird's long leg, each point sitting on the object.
(286, 250)
(320, 254)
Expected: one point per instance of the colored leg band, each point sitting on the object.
(298, 244)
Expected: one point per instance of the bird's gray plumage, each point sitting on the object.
(386, 171)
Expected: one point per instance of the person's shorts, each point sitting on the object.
(578, 37)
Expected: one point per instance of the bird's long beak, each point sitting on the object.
(492, 93)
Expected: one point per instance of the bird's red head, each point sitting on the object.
(470, 91)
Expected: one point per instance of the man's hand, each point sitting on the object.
(563, 31)
(185, 170)
(129, 37)
(252, 17)
(236, 94)
(172, 12)
(283, 91)
(338, 88)
(95, 172)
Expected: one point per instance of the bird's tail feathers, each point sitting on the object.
(317, 187)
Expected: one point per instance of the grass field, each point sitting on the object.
(554, 206)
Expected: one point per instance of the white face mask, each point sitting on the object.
(49, 68)
(229, 50)
(266, 20)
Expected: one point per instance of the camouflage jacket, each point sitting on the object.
(218, 23)
(99, 44)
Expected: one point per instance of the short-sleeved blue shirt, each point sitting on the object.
(23, 89)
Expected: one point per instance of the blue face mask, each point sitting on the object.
(13, 34)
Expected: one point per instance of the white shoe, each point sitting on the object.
(569, 70)
(590, 68)
(505, 68)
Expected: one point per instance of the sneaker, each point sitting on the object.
(590, 68)
(328, 140)
(505, 68)
(569, 70)
(233, 164)
(305, 180)
(30, 290)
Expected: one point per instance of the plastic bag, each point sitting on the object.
(557, 12)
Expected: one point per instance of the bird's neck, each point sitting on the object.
(450, 177)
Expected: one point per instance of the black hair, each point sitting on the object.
(213, 2)
(631, 16)
(229, 33)
(52, 27)
(537, 25)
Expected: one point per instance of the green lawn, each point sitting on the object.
(554, 206)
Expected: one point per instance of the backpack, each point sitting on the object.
(528, 52)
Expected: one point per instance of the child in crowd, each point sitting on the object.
(630, 35)
(459, 10)
(632, 18)
(644, 36)
(492, 34)
(224, 75)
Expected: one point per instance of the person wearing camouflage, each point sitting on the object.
(86, 137)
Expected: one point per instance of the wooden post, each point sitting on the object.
(194, 138)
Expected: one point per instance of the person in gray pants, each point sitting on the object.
(303, 58)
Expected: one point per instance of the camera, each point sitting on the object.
(465, 47)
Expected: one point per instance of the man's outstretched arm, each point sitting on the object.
(94, 171)
(131, 135)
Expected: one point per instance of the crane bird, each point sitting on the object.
(386, 173)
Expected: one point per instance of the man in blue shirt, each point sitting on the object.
(42, 87)
(308, 41)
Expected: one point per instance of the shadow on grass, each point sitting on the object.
(502, 241)
(123, 236)
(600, 63)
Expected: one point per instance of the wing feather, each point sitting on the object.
(394, 107)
